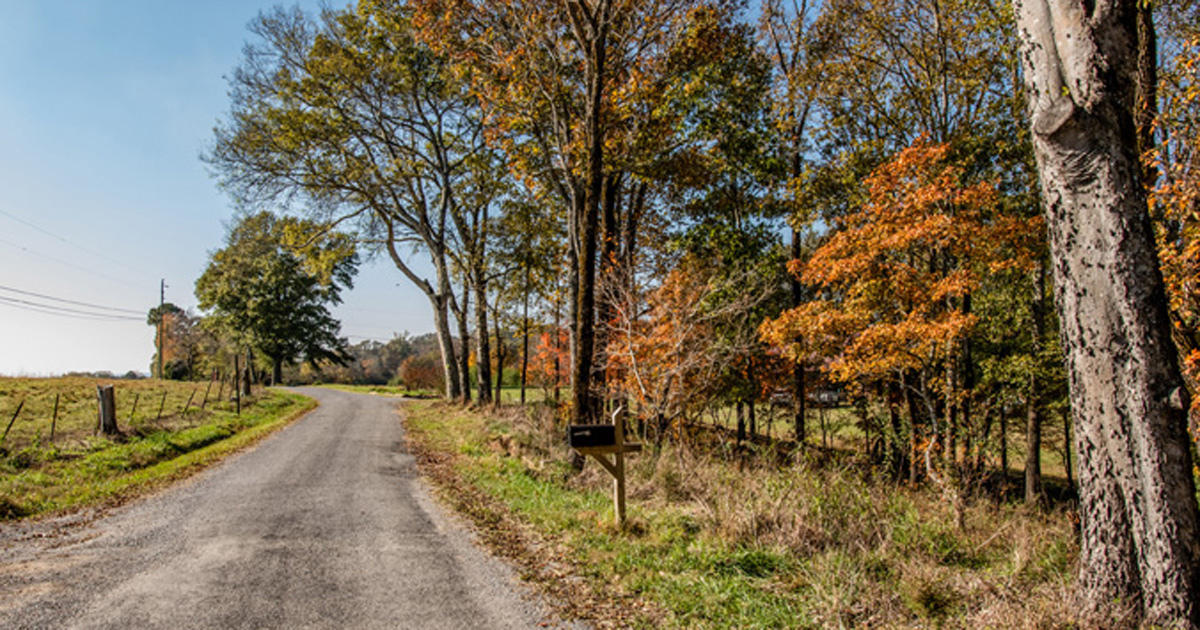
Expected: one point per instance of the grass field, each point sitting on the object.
(510, 395)
(49, 465)
(716, 540)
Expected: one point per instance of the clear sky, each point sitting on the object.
(105, 108)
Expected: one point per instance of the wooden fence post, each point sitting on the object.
(189, 401)
(133, 412)
(54, 420)
(208, 389)
(162, 403)
(14, 419)
(107, 404)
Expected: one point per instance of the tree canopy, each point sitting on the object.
(269, 288)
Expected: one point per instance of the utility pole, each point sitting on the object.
(162, 300)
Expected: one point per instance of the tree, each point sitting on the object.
(1140, 548)
(894, 282)
(351, 119)
(161, 317)
(528, 245)
(421, 371)
(1175, 196)
(556, 80)
(185, 341)
(798, 47)
(269, 288)
(723, 172)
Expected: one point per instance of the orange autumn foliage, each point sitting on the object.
(550, 361)
(662, 356)
(894, 275)
(1175, 203)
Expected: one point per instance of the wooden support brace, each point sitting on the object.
(615, 466)
(604, 461)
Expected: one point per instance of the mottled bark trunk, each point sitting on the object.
(967, 374)
(1140, 540)
(557, 351)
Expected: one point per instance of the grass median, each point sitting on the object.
(718, 538)
(39, 476)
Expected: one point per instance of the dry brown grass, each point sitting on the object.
(866, 552)
(819, 536)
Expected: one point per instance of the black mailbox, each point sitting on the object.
(581, 435)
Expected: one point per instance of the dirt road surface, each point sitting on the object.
(324, 525)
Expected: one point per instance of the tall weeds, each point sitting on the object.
(850, 549)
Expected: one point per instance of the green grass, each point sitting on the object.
(509, 395)
(39, 477)
(138, 405)
(383, 390)
(723, 543)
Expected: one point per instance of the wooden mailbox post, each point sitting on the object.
(600, 441)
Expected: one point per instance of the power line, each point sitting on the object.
(67, 264)
(66, 301)
(70, 242)
(64, 312)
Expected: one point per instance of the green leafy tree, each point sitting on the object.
(270, 286)
(349, 118)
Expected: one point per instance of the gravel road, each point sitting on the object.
(324, 525)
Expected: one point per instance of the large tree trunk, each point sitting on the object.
(609, 285)
(439, 299)
(1140, 540)
(590, 24)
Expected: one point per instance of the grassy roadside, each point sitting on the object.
(717, 541)
(382, 390)
(40, 479)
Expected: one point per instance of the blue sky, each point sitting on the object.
(105, 108)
